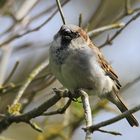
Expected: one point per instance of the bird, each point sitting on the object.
(78, 64)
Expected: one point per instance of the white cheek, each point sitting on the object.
(78, 43)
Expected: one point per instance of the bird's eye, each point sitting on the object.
(76, 34)
(66, 32)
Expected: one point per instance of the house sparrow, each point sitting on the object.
(78, 64)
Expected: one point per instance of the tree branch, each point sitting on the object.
(16, 36)
(128, 8)
(26, 7)
(105, 28)
(80, 20)
(5, 55)
(60, 11)
(38, 111)
(87, 110)
(33, 74)
(113, 120)
(11, 73)
(109, 40)
(60, 110)
(110, 132)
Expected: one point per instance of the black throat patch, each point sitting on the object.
(61, 53)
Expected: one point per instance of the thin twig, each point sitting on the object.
(113, 120)
(8, 120)
(28, 100)
(20, 15)
(45, 11)
(33, 74)
(31, 18)
(34, 126)
(60, 110)
(60, 11)
(128, 8)
(11, 87)
(6, 52)
(131, 83)
(110, 132)
(16, 36)
(11, 73)
(19, 35)
(37, 111)
(80, 20)
(88, 114)
(26, 7)
(109, 41)
(105, 28)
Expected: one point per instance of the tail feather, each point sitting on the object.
(116, 99)
(130, 118)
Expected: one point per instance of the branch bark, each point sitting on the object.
(88, 114)
(109, 40)
(38, 111)
(113, 120)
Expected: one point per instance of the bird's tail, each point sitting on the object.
(116, 99)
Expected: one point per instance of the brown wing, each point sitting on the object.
(108, 70)
(103, 63)
(106, 67)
